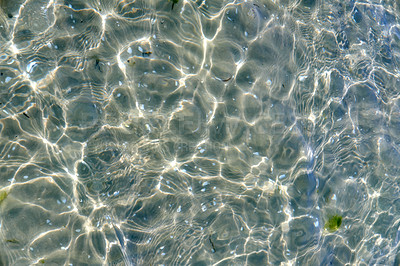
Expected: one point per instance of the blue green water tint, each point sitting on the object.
(210, 132)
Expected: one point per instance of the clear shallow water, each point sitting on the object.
(216, 132)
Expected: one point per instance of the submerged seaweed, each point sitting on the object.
(173, 3)
(333, 223)
(3, 196)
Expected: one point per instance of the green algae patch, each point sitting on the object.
(333, 223)
(3, 196)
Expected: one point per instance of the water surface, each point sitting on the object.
(216, 132)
